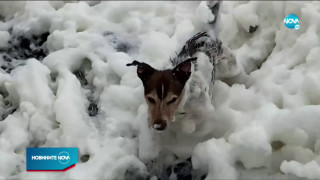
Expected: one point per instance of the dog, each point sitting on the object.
(181, 90)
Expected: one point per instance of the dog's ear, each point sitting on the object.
(182, 71)
(144, 70)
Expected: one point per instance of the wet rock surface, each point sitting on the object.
(25, 46)
(214, 7)
(92, 109)
(133, 173)
(22, 46)
(179, 169)
(7, 107)
(85, 158)
(253, 29)
(118, 43)
(9, 110)
(81, 77)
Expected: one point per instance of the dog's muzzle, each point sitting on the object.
(160, 126)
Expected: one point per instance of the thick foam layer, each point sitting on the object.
(79, 93)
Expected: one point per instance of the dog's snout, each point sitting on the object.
(160, 125)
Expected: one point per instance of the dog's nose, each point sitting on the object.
(160, 126)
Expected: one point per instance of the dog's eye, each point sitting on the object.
(151, 100)
(172, 100)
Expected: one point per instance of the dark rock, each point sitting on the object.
(277, 145)
(9, 70)
(84, 158)
(183, 170)
(4, 94)
(43, 38)
(108, 33)
(25, 46)
(93, 109)
(7, 103)
(122, 47)
(253, 29)
(53, 76)
(80, 75)
(4, 67)
(39, 53)
(133, 173)
(203, 177)
(118, 43)
(8, 112)
(25, 43)
(182, 166)
(9, 107)
(214, 7)
(6, 58)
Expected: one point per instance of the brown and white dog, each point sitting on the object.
(166, 91)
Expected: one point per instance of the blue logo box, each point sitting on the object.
(292, 21)
(51, 159)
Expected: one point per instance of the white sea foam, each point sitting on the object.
(265, 122)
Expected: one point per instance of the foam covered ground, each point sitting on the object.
(64, 83)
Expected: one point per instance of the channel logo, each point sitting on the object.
(292, 21)
(63, 157)
(51, 159)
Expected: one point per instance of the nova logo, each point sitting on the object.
(292, 21)
(63, 157)
(51, 158)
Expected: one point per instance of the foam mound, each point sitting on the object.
(64, 83)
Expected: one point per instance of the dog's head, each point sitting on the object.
(163, 90)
